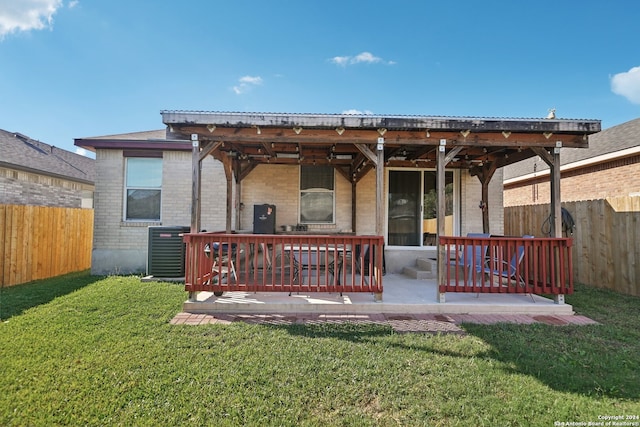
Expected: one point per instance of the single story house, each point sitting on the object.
(407, 178)
(35, 173)
(610, 167)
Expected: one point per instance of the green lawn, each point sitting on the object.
(82, 350)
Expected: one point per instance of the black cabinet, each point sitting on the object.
(264, 219)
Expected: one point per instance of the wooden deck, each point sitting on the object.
(337, 264)
(225, 262)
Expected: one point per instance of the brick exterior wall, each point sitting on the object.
(470, 196)
(611, 179)
(120, 247)
(26, 188)
(279, 185)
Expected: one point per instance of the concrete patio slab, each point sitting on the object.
(401, 295)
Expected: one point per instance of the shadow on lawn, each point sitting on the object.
(589, 360)
(14, 300)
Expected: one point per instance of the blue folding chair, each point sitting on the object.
(507, 269)
(472, 257)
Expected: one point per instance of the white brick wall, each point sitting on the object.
(366, 204)
(279, 185)
(471, 194)
(121, 247)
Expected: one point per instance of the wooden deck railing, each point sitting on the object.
(219, 262)
(507, 265)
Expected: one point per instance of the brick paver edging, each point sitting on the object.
(427, 323)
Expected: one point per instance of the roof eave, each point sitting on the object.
(115, 144)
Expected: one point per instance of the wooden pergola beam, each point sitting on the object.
(327, 136)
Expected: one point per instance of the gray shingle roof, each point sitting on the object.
(608, 141)
(21, 152)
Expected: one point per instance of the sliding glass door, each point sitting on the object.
(412, 207)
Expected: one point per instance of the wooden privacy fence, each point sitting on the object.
(38, 242)
(606, 239)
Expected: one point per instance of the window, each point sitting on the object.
(143, 189)
(317, 196)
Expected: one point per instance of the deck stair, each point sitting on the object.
(424, 268)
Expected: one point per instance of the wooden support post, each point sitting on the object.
(196, 166)
(354, 205)
(484, 174)
(379, 203)
(228, 172)
(443, 160)
(236, 173)
(440, 217)
(553, 160)
(556, 208)
(195, 183)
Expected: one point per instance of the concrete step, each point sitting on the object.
(426, 264)
(416, 273)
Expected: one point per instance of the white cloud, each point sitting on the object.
(627, 84)
(366, 57)
(357, 112)
(246, 83)
(81, 151)
(73, 3)
(340, 60)
(363, 57)
(26, 15)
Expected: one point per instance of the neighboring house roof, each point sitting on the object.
(18, 151)
(615, 142)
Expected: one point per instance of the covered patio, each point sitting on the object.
(355, 146)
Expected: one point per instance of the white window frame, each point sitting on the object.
(128, 187)
(317, 190)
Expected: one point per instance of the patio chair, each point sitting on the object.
(362, 261)
(312, 259)
(223, 257)
(472, 258)
(507, 270)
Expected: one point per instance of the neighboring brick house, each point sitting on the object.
(35, 173)
(610, 167)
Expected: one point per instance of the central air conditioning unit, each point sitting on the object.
(165, 257)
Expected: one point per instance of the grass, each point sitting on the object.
(102, 352)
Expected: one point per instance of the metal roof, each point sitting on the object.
(372, 121)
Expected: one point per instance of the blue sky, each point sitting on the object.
(71, 69)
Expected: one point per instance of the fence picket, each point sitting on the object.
(37, 242)
(606, 241)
